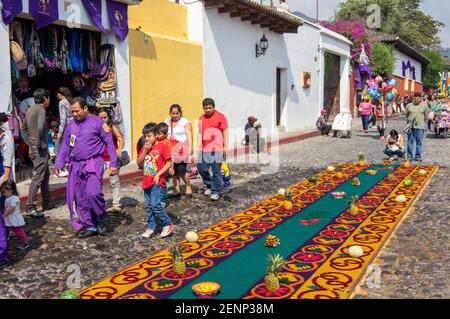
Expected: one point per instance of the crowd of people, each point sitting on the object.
(421, 111)
(86, 144)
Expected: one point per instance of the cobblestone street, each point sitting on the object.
(414, 263)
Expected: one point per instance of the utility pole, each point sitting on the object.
(317, 12)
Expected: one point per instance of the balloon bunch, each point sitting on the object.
(379, 88)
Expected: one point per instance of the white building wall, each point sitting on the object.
(304, 55)
(401, 57)
(243, 85)
(121, 55)
(195, 20)
(332, 42)
(75, 15)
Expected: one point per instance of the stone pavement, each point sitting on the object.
(414, 264)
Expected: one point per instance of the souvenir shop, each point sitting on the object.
(55, 52)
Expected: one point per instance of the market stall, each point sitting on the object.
(81, 45)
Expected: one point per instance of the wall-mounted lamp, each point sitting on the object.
(262, 46)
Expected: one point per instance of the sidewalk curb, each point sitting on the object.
(59, 193)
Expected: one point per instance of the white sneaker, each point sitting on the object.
(148, 233)
(167, 230)
(215, 197)
(208, 192)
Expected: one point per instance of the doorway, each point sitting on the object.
(281, 97)
(331, 97)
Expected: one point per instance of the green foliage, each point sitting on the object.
(383, 60)
(398, 17)
(431, 72)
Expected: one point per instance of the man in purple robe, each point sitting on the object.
(82, 146)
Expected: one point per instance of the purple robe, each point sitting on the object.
(3, 240)
(82, 146)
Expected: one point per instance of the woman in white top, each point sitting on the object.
(180, 134)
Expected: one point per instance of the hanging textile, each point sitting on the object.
(63, 56)
(27, 47)
(10, 10)
(88, 52)
(75, 51)
(36, 52)
(118, 17)
(94, 7)
(17, 45)
(44, 12)
(47, 39)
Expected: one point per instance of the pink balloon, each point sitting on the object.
(378, 79)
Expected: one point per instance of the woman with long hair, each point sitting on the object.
(119, 143)
(64, 95)
(180, 134)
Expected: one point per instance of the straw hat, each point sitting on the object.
(17, 52)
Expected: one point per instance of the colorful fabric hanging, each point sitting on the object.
(48, 47)
(118, 17)
(44, 12)
(38, 58)
(63, 55)
(94, 7)
(75, 51)
(10, 10)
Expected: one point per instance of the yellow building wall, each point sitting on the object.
(165, 68)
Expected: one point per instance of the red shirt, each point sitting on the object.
(105, 152)
(154, 162)
(168, 143)
(381, 114)
(212, 128)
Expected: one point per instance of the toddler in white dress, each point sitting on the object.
(13, 219)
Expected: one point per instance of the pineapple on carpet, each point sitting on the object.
(315, 231)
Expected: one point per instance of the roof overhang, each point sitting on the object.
(276, 20)
(400, 45)
(407, 49)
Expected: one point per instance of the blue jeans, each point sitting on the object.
(164, 197)
(416, 135)
(211, 161)
(153, 197)
(365, 122)
(400, 153)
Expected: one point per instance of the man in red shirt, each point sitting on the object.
(213, 141)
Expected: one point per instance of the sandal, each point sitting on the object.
(175, 195)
